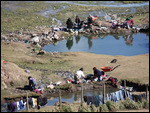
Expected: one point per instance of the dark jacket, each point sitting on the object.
(89, 20)
(97, 73)
(69, 23)
(77, 20)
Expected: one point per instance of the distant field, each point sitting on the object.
(20, 16)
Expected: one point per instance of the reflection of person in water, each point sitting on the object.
(69, 43)
(129, 39)
(90, 42)
(77, 39)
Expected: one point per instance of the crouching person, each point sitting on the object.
(79, 76)
(32, 83)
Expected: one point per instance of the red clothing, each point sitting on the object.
(38, 91)
(130, 22)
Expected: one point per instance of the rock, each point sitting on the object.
(35, 39)
(41, 52)
(56, 37)
(50, 86)
(27, 71)
(76, 32)
(33, 35)
(58, 83)
(46, 33)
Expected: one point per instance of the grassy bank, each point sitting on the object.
(125, 105)
(48, 63)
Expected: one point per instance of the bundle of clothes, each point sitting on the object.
(114, 96)
(21, 105)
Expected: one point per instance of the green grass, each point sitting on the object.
(131, 2)
(24, 17)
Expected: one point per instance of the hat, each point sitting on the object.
(94, 68)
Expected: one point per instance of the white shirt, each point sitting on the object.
(80, 74)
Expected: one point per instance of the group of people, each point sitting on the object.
(128, 23)
(98, 75)
(78, 24)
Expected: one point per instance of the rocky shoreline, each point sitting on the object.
(50, 35)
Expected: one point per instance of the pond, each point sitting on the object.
(125, 44)
(76, 96)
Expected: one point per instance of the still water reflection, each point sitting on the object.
(76, 96)
(114, 44)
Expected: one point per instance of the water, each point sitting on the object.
(76, 96)
(126, 45)
(103, 3)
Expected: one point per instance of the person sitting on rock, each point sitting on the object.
(130, 22)
(79, 76)
(69, 25)
(77, 22)
(89, 20)
(32, 83)
(114, 24)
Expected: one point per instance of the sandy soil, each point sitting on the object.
(131, 67)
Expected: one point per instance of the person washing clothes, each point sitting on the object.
(130, 22)
(77, 22)
(32, 83)
(97, 73)
(89, 20)
(79, 76)
(69, 25)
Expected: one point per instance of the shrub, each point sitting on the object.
(112, 106)
(131, 105)
(66, 109)
(145, 104)
(93, 108)
(84, 109)
(103, 108)
(120, 105)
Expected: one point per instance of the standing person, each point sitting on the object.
(79, 76)
(32, 83)
(130, 22)
(89, 21)
(69, 24)
(77, 21)
(97, 73)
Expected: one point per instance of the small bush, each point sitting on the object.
(131, 105)
(121, 105)
(84, 109)
(93, 108)
(112, 106)
(66, 109)
(145, 104)
(103, 108)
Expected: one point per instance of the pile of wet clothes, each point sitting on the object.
(114, 96)
(21, 105)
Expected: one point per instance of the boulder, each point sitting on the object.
(35, 39)
(33, 35)
(56, 37)
(27, 71)
(50, 86)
